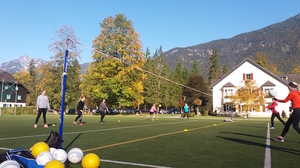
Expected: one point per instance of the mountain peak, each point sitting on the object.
(20, 63)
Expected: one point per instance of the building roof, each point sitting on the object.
(228, 85)
(216, 81)
(268, 83)
(8, 78)
(291, 77)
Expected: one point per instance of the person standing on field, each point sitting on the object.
(79, 111)
(294, 97)
(42, 107)
(152, 112)
(186, 111)
(275, 113)
(102, 109)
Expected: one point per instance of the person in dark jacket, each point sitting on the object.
(79, 111)
(102, 109)
(275, 113)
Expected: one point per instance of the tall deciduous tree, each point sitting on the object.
(51, 73)
(116, 80)
(23, 77)
(29, 79)
(31, 99)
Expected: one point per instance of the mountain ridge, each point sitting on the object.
(280, 41)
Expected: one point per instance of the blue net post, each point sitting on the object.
(61, 121)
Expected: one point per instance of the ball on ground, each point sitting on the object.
(10, 164)
(61, 155)
(215, 124)
(44, 158)
(38, 148)
(90, 160)
(54, 164)
(52, 150)
(75, 155)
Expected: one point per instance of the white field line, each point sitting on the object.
(133, 164)
(267, 163)
(5, 148)
(91, 131)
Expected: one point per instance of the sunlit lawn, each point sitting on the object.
(162, 142)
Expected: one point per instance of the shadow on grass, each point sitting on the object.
(52, 125)
(66, 148)
(245, 142)
(255, 136)
(252, 126)
(248, 135)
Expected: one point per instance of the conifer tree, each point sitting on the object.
(176, 90)
(214, 68)
(195, 68)
(225, 69)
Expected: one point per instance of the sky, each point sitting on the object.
(27, 27)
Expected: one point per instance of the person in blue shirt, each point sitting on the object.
(186, 111)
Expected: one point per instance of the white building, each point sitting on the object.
(265, 80)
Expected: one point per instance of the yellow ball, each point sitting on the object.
(38, 148)
(90, 160)
(54, 164)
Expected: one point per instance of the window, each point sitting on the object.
(248, 76)
(17, 88)
(228, 92)
(5, 87)
(268, 90)
(8, 97)
(19, 97)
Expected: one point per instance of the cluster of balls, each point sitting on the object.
(55, 158)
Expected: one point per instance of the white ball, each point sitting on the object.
(61, 155)
(52, 150)
(44, 158)
(75, 155)
(10, 164)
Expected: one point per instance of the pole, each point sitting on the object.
(61, 121)
(231, 111)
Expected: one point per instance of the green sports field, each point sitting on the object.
(136, 142)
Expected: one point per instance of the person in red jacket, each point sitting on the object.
(275, 113)
(294, 97)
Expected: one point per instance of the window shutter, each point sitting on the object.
(244, 76)
(251, 76)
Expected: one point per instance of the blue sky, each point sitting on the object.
(27, 26)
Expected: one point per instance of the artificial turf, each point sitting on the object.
(162, 142)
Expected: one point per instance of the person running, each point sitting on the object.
(102, 109)
(186, 111)
(294, 97)
(152, 112)
(79, 111)
(275, 113)
(42, 107)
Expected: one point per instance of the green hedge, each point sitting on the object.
(28, 110)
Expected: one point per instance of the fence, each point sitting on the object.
(18, 110)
